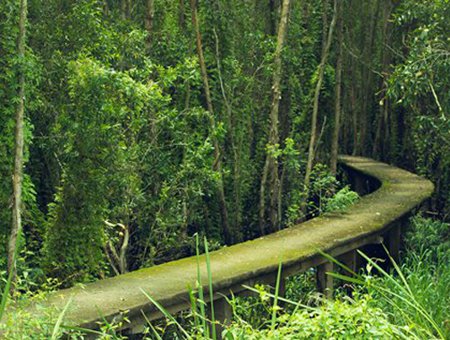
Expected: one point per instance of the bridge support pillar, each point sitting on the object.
(223, 314)
(352, 260)
(394, 238)
(137, 326)
(282, 286)
(324, 281)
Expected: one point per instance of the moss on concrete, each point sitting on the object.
(168, 283)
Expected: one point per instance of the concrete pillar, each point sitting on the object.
(223, 314)
(137, 325)
(352, 260)
(324, 281)
(394, 238)
(282, 288)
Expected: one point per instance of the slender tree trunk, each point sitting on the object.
(16, 227)
(228, 235)
(338, 88)
(352, 32)
(270, 170)
(149, 16)
(353, 105)
(324, 25)
(315, 113)
(118, 257)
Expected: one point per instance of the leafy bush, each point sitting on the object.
(20, 323)
(341, 200)
(324, 196)
(323, 186)
(340, 319)
(428, 236)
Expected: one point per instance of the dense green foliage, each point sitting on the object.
(121, 154)
(342, 319)
(121, 136)
(412, 302)
(419, 85)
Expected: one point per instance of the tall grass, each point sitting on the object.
(204, 323)
(394, 294)
(411, 301)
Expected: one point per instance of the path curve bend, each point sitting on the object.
(297, 248)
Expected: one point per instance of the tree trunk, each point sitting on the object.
(338, 88)
(270, 170)
(354, 108)
(227, 233)
(315, 113)
(324, 25)
(149, 16)
(16, 227)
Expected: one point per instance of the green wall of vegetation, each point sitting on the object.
(136, 138)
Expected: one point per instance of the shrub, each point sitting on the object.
(430, 236)
(341, 200)
(340, 319)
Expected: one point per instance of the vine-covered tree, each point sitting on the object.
(16, 227)
(270, 176)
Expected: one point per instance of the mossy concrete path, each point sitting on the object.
(297, 248)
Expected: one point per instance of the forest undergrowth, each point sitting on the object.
(411, 301)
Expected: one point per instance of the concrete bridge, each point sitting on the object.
(390, 196)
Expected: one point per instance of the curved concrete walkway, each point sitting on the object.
(297, 247)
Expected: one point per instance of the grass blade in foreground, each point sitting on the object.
(200, 289)
(167, 314)
(59, 321)
(211, 293)
(404, 292)
(275, 300)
